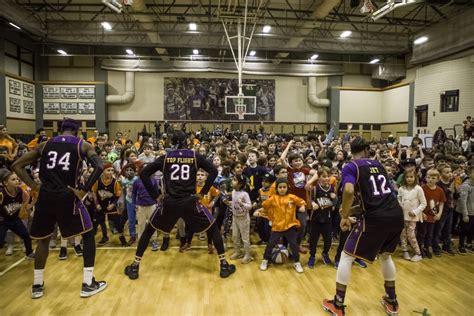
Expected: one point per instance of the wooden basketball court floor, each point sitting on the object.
(173, 283)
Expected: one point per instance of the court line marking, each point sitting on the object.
(11, 267)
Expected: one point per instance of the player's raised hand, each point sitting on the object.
(78, 193)
(198, 195)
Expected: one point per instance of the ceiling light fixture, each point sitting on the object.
(129, 51)
(14, 25)
(192, 26)
(62, 52)
(374, 61)
(106, 26)
(266, 28)
(195, 52)
(420, 40)
(315, 56)
(345, 34)
(252, 53)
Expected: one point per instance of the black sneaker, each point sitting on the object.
(123, 242)
(227, 270)
(437, 253)
(92, 289)
(326, 259)
(165, 244)
(132, 271)
(428, 254)
(78, 250)
(449, 252)
(103, 241)
(37, 291)
(63, 253)
(462, 251)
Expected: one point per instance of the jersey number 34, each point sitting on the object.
(63, 161)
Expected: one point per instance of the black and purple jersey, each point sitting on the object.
(61, 163)
(179, 169)
(372, 186)
(10, 205)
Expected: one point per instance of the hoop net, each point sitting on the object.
(240, 108)
(368, 7)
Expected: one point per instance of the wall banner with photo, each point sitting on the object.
(204, 99)
(20, 98)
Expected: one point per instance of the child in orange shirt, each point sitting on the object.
(208, 201)
(281, 210)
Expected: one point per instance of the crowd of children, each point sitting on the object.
(284, 188)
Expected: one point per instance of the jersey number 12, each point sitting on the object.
(380, 183)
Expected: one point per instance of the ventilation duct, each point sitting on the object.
(445, 39)
(388, 72)
(267, 69)
(312, 95)
(306, 28)
(129, 93)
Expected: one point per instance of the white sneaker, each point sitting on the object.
(236, 255)
(298, 267)
(416, 258)
(9, 251)
(264, 265)
(406, 255)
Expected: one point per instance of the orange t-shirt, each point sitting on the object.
(209, 197)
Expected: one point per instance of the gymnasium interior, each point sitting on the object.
(384, 70)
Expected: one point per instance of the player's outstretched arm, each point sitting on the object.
(25, 160)
(147, 172)
(347, 200)
(210, 169)
(95, 162)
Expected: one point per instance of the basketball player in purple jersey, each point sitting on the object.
(378, 232)
(180, 200)
(60, 202)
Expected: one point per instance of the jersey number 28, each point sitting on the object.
(180, 172)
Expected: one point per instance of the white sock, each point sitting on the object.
(88, 274)
(38, 277)
(63, 242)
(343, 274)
(388, 268)
(77, 240)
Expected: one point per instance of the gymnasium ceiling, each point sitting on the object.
(160, 28)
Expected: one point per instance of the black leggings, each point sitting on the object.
(17, 227)
(466, 231)
(291, 235)
(213, 233)
(342, 240)
(99, 219)
(316, 230)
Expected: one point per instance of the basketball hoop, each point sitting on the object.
(241, 112)
(240, 108)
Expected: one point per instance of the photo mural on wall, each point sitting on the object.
(204, 99)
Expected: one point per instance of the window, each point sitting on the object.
(422, 115)
(19, 61)
(450, 101)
